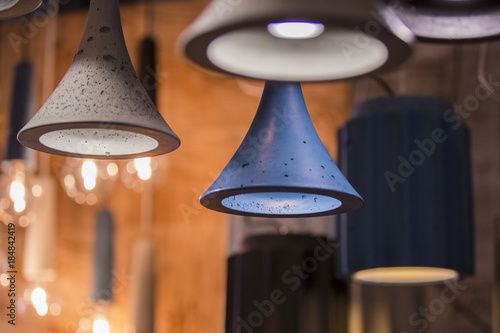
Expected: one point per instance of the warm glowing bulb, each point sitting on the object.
(19, 205)
(112, 169)
(39, 301)
(16, 190)
(89, 174)
(100, 326)
(143, 167)
(296, 30)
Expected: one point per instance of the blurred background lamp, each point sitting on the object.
(296, 40)
(14, 8)
(409, 158)
(451, 20)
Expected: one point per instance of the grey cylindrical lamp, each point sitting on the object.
(103, 258)
(409, 158)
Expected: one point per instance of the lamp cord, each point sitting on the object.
(383, 84)
(481, 69)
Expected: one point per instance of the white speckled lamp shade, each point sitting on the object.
(15, 8)
(100, 109)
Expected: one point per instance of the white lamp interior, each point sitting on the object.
(98, 141)
(296, 30)
(334, 53)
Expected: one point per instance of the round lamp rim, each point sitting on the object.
(194, 43)
(167, 142)
(21, 8)
(448, 275)
(213, 200)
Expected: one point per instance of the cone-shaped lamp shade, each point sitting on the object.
(297, 40)
(21, 110)
(15, 8)
(100, 109)
(451, 20)
(103, 258)
(409, 158)
(143, 287)
(40, 244)
(282, 167)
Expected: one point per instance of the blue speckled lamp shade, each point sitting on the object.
(281, 168)
(100, 108)
(409, 158)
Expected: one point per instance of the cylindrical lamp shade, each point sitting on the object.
(103, 258)
(20, 111)
(143, 287)
(409, 158)
(282, 283)
(40, 241)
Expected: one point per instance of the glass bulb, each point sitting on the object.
(100, 325)
(18, 192)
(295, 30)
(88, 181)
(39, 301)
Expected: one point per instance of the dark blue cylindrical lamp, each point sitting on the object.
(409, 157)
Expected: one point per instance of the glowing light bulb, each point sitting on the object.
(295, 30)
(100, 325)
(17, 190)
(143, 167)
(39, 301)
(89, 174)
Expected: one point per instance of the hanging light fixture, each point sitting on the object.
(14, 8)
(282, 167)
(18, 184)
(100, 109)
(409, 157)
(296, 40)
(451, 20)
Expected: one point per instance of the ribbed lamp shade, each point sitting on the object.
(282, 283)
(103, 258)
(450, 20)
(297, 40)
(409, 158)
(20, 111)
(14, 8)
(282, 167)
(40, 242)
(100, 109)
(143, 286)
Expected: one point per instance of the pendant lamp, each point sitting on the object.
(409, 157)
(281, 168)
(100, 109)
(451, 20)
(296, 40)
(282, 280)
(17, 178)
(14, 8)
(103, 258)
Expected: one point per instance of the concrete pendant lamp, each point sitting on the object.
(14, 8)
(451, 20)
(297, 40)
(100, 109)
(409, 157)
(281, 168)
